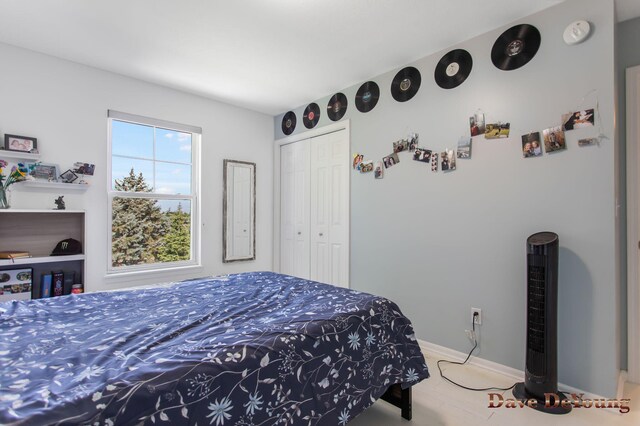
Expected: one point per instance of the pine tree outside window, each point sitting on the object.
(153, 194)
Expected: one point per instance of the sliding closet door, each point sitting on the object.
(294, 209)
(330, 208)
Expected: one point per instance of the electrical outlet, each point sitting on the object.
(476, 319)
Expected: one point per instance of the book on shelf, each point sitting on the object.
(14, 254)
(45, 285)
(57, 285)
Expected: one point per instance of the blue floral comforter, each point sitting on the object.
(245, 349)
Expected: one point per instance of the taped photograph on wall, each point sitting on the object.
(531, 146)
(464, 147)
(423, 155)
(434, 162)
(413, 142)
(366, 166)
(378, 172)
(497, 130)
(357, 159)
(401, 145)
(554, 139)
(448, 162)
(390, 160)
(476, 124)
(578, 120)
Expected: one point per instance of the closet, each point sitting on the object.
(314, 208)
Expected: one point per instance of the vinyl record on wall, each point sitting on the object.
(515, 47)
(311, 115)
(405, 84)
(453, 69)
(367, 96)
(337, 106)
(288, 123)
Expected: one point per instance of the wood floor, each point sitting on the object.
(436, 402)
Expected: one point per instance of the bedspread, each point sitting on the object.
(246, 349)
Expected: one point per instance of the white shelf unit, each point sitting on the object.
(38, 232)
(17, 155)
(52, 185)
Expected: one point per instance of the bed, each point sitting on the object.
(245, 349)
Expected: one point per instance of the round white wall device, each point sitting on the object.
(576, 32)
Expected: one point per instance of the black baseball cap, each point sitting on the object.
(67, 247)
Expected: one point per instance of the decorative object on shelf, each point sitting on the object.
(67, 247)
(77, 289)
(60, 203)
(20, 143)
(47, 172)
(18, 173)
(68, 176)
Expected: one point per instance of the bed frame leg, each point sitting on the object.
(399, 397)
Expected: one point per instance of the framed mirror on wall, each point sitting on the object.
(239, 211)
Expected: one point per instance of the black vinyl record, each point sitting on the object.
(311, 115)
(367, 96)
(288, 123)
(453, 69)
(405, 84)
(337, 106)
(515, 47)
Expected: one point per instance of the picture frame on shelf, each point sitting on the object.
(68, 176)
(20, 143)
(45, 172)
(16, 284)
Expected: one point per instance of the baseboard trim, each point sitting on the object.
(514, 373)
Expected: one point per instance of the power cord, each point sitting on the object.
(475, 345)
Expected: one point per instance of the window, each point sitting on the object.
(153, 193)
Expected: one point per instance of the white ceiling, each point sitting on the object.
(265, 55)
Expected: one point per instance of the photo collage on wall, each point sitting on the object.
(534, 144)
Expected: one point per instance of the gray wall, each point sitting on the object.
(438, 244)
(627, 55)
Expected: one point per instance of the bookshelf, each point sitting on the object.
(38, 232)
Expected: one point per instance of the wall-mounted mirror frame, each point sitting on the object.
(239, 211)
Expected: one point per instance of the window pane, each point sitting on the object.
(133, 140)
(173, 178)
(126, 172)
(148, 231)
(173, 146)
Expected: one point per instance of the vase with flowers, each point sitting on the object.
(18, 173)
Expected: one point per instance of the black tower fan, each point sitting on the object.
(541, 370)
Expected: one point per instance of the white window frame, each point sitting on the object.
(194, 197)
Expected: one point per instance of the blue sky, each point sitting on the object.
(135, 140)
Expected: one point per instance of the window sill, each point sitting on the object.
(165, 274)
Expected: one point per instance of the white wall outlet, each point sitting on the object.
(476, 319)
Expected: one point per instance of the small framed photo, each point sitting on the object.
(68, 176)
(48, 172)
(20, 143)
(83, 168)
